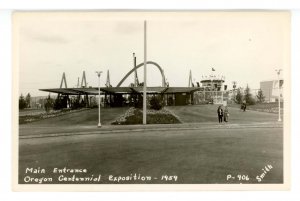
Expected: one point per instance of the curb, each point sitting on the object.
(159, 127)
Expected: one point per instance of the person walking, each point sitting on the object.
(220, 113)
(244, 105)
(226, 114)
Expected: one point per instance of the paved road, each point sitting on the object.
(194, 156)
(197, 152)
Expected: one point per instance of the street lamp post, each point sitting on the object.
(278, 73)
(234, 86)
(145, 75)
(99, 74)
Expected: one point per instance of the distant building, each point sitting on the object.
(271, 91)
(37, 102)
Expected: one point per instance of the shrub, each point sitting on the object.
(156, 103)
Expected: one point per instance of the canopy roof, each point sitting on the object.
(121, 90)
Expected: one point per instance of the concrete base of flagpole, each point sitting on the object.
(99, 125)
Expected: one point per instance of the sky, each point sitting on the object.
(245, 47)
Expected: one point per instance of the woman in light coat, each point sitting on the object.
(226, 114)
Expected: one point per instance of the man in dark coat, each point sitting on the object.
(220, 114)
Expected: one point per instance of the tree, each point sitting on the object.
(49, 103)
(28, 100)
(260, 96)
(238, 96)
(22, 102)
(248, 96)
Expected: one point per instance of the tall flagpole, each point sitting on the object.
(145, 75)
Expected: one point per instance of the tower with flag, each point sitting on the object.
(213, 87)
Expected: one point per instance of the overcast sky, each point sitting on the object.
(245, 47)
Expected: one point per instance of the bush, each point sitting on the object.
(156, 103)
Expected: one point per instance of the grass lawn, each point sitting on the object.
(208, 113)
(84, 117)
(262, 107)
(29, 111)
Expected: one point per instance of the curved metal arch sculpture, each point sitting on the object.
(140, 65)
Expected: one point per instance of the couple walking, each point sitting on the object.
(223, 114)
